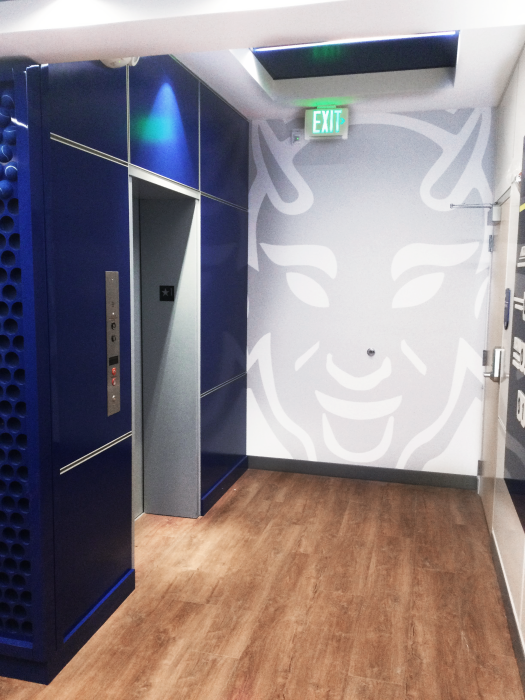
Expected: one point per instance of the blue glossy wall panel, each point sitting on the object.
(87, 104)
(92, 533)
(223, 432)
(224, 231)
(224, 150)
(164, 119)
(88, 234)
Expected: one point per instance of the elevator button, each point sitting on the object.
(113, 381)
(113, 338)
(113, 326)
(113, 398)
(114, 371)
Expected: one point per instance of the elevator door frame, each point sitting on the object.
(136, 173)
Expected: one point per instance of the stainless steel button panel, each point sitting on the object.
(112, 343)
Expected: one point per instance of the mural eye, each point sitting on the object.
(418, 291)
(306, 289)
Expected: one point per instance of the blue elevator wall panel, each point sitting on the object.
(223, 432)
(92, 532)
(88, 234)
(164, 114)
(224, 150)
(224, 231)
(87, 104)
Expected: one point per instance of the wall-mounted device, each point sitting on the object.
(112, 343)
(326, 122)
(496, 372)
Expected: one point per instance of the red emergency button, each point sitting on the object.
(114, 371)
(113, 381)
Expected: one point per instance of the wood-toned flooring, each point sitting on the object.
(298, 587)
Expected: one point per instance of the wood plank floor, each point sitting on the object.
(299, 587)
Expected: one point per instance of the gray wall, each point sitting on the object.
(353, 245)
(169, 240)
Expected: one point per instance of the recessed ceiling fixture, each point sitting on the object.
(355, 56)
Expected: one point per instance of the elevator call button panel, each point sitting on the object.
(112, 343)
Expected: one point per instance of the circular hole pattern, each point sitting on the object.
(12, 359)
(16, 275)
(16, 519)
(14, 425)
(7, 471)
(25, 566)
(12, 391)
(6, 222)
(10, 136)
(15, 487)
(8, 258)
(9, 292)
(6, 153)
(13, 206)
(15, 567)
(23, 503)
(18, 551)
(21, 441)
(6, 440)
(6, 189)
(11, 172)
(5, 117)
(10, 326)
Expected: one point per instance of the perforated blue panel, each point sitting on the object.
(15, 548)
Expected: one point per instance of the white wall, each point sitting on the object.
(353, 245)
(507, 529)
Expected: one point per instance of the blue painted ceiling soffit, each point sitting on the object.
(356, 57)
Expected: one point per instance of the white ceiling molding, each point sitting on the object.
(62, 30)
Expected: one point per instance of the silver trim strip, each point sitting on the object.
(216, 388)
(96, 452)
(86, 149)
(161, 181)
(218, 199)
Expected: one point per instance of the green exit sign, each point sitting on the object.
(326, 122)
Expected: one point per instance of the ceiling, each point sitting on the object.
(486, 59)
(202, 32)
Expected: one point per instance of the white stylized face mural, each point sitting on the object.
(353, 246)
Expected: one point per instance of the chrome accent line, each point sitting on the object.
(87, 149)
(218, 199)
(162, 181)
(216, 388)
(96, 452)
(128, 117)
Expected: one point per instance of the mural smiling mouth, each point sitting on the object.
(358, 410)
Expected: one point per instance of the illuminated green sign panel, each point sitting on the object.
(326, 122)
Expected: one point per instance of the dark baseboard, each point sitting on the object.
(212, 496)
(509, 612)
(350, 471)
